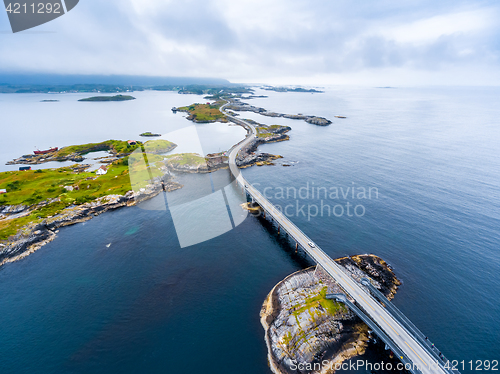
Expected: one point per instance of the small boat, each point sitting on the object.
(46, 151)
(340, 117)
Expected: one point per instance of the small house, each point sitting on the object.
(3, 191)
(132, 142)
(102, 170)
(24, 168)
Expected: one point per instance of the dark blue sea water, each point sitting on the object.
(145, 305)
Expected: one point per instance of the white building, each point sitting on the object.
(102, 170)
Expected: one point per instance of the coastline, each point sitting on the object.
(33, 236)
(302, 326)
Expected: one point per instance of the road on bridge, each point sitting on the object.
(413, 350)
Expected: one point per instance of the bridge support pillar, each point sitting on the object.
(279, 228)
(296, 247)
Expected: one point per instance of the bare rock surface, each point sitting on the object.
(33, 236)
(238, 106)
(302, 326)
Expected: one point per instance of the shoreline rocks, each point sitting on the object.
(33, 236)
(302, 326)
(238, 106)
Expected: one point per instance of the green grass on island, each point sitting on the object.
(263, 131)
(187, 159)
(131, 172)
(331, 306)
(149, 133)
(109, 98)
(117, 147)
(34, 186)
(159, 146)
(204, 112)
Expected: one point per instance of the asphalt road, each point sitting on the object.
(413, 350)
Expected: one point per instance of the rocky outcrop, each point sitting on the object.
(39, 159)
(32, 237)
(320, 121)
(302, 326)
(239, 106)
(248, 155)
(177, 163)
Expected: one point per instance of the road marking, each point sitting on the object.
(348, 285)
(366, 302)
(317, 255)
(415, 353)
(389, 325)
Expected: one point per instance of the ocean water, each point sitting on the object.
(429, 156)
(29, 124)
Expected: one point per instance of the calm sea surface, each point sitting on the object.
(143, 305)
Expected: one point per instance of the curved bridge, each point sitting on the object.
(419, 357)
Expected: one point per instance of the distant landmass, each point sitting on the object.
(288, 89)
(109, 98)
(43, 83)
(115, 80)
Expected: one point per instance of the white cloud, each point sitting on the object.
(259, 40)
(431, 29)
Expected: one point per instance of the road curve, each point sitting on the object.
(411, 348)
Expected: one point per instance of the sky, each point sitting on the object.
(302, 42)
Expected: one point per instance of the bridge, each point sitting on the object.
(390, 325)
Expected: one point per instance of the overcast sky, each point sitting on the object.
(397, 42)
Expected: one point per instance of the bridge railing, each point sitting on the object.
(377, 330)
(410, 327)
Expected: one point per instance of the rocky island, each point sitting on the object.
(288, 89)
(203, 113)
(117, 148)
(35, 203)
(249, 156)
(109, 98)
(239, 106)
(302, 326)
(149, 134)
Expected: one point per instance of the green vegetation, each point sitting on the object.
(149, 133)
(263, 131)
(118, 147)
(330, 306)
(204, 112)
(187, 159)
(109, 98)
(159, 146)
(32, 187)
(264, 134)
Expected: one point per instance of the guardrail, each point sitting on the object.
(409, 326)
(377, 330)
(283, 222)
